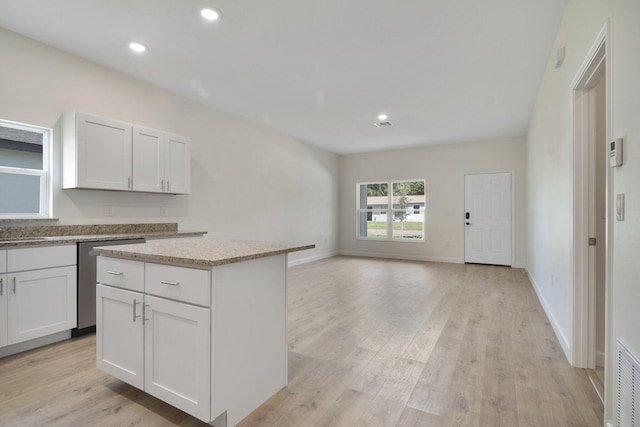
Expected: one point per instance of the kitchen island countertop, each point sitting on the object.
(200, 252)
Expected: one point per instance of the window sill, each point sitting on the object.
(18, 219)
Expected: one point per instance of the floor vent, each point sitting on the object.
(628, 388)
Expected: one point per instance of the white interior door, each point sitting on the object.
(487, 201)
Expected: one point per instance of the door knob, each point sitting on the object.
(468, 223)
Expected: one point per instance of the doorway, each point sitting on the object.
(591, 215)
(597, 225)
(488, 228)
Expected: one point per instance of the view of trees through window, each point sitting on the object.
(395, 215)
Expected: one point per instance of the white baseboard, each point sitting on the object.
(599, 358)
(519, 265)
(564, 343)
(402, 257)
(293, 263)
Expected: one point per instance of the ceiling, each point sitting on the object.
(321, 71)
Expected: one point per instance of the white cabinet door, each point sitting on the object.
(4, 297)
(119, 337)
(3, 261)
(41, 302)
(161, 161)
(178, 164)
(103, 153)
(148, 160)
(177, 355)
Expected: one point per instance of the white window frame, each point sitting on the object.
(389, 212)
(44, 174)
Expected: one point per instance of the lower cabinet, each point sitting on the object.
(4, 297)
(209, 342)
(40, 302)
(158, 345)
(120, 334)
(38, 292)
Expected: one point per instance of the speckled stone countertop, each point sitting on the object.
(202, 252)
(49, 235)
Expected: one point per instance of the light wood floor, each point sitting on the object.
(371, 343)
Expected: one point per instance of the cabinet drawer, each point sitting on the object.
(40, 257)
(122, 273)
(178, 283)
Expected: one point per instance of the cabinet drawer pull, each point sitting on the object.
(1, 286)
(135, 302)
(167, 282)
(168, 187)
(14, 284)
(115, 273)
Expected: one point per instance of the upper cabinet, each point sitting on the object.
(161, 161)
(178, 164)
(106, 154)
(96, 152)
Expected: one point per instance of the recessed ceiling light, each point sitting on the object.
(383, 117)
(137, 47)
(210, 14)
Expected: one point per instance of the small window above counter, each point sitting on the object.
(105, 154)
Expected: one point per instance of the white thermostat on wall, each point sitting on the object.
(615, 153)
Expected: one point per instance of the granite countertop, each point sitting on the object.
(202, 252)
(69, 234)
(63, 240)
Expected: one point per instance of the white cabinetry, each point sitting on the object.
(38, 293)
(161, 161)
(119, 343)
(160, 345)
(41, 302)
(96, 152)
(178, 164)
(107, 154)
(4, 297)
(210, 342)
(177, 355)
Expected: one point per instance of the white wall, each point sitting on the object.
(288, 190)
(549, 148)
(443, 167)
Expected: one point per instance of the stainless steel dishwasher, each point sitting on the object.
(87, 260)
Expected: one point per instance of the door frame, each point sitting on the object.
(513, 212)
(597, 62)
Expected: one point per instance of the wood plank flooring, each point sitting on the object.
(371, 343)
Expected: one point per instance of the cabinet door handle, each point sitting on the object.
(135, 302)
(167, 282)
(129, 183)
(14, 284)
(168, 187)
(115, 273)
(144, 313)
(1, 285)
(162, 184)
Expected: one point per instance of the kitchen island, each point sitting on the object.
(198, 323)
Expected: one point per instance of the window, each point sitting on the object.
(391, 210)
(24, 170)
